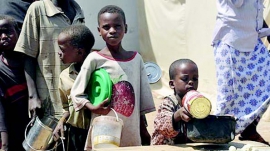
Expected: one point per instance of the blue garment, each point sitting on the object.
(243, 83)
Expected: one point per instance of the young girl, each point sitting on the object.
(131, 96)
(169, 124)
(13, 88)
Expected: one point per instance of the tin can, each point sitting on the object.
(197, 104)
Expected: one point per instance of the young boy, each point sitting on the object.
(169, 123)
(75, 43)
(13, 88)
(131, 95)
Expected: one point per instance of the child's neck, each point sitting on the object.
(117, 53)
(78, 66)
(115, 49)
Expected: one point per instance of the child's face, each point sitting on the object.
(8, 36)
(186, 79)
(112, 28)
(67, 53)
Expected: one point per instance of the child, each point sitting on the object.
(75, 43)
(13, 88)
(169, 123)
(131, 96)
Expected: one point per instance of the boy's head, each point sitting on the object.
(75, 43)
(112, 24)
(8, 33)
(184, 76)
(112, 9)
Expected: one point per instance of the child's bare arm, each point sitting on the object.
(59, 129)
(4, 139)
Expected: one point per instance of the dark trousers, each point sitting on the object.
(17, 120)
(76, 138)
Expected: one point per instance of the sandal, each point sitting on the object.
(254, 137)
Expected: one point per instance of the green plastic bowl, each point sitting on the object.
(100, 86)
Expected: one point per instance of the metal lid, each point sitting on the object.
(153, 72)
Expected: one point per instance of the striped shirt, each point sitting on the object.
(42, 25)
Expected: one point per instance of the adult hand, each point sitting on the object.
(34, 103)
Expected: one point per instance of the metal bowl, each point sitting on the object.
(212, 129)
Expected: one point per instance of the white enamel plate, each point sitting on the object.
(153, 72)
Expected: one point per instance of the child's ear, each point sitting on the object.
(126, 28)
(171, 84)
(98, 31)
(79, 51)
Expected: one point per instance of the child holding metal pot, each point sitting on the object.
(169, 124)
(75, 43)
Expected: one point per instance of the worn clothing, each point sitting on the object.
(79, 119)
(166, 131)
(76, 138)
(243, 83)
(131, 96)
(15, 8)
(242, 61)
(239, 23)
(38, 39)
(3, 127)
(14, 98)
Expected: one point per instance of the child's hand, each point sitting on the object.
(59, 129)
(102, 108)
(182, 114)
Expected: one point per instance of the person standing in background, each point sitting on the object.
(242, 64)
(38, 41)
(16, 9)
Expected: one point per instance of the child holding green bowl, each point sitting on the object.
(131, 94)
